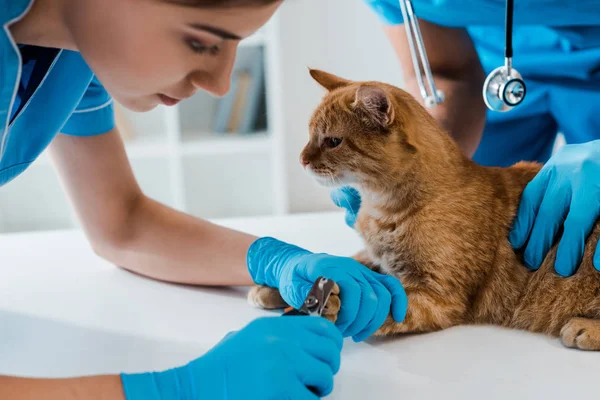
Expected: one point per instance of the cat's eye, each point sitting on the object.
(332, 142)
(201, 48)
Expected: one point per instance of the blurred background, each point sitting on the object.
(234, 156)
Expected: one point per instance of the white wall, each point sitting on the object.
(343, 37)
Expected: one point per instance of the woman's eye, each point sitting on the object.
(332, 142)
(200, 48)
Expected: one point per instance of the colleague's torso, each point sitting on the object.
(551, 39)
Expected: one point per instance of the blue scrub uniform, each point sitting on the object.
(556, 47)
(43, 92)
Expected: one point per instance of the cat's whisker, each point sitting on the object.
(331, 178)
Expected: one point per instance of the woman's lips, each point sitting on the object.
(168, 101)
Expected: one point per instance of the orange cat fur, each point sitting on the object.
(440, 222)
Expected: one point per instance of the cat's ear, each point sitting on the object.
(376, 103)
(327, 80)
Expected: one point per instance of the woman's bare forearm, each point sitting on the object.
(139, 234)
(106, 387)
(169, 245)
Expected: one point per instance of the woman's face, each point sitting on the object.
(148, 52)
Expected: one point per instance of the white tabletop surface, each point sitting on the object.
(65, 312)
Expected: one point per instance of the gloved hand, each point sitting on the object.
(349, 199)
(366, 296)
(271, 358)
(567, 186)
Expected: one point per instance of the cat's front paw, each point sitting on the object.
(581, 333)
(266, 297)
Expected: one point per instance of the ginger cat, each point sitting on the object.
(438, 221)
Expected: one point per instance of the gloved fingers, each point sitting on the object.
(350, 219)
(346, 197)
(350, 297)
(298, 390)
(528, 208)
(399, 299)
(384, 301)
(597, 257)
(324, 349)
(349, 199)
(294, 293)
(578, 225)
(227, 336)
(550, 216)
(311, 371)
(317, 326)
(366, 309)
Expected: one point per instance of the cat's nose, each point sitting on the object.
(304, 161)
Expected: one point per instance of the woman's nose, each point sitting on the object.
(217, 81)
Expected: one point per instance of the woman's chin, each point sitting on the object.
(143, 104)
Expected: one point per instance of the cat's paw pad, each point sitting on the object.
(266, 297)
(332, 308)
(581, 333)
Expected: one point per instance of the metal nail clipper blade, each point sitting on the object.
(315, 301)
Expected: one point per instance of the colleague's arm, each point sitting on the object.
(137, 233)
(457, 71)
(88, 388)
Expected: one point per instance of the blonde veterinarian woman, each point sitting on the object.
(62, 61)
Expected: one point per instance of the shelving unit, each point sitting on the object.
(177, 159)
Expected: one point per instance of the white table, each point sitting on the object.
(64, 312)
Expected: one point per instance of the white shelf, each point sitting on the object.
(259, 142)
(141, 150)
(228, 185)
(258, 39)
(135, 150)
(228, 144)
(204, 144)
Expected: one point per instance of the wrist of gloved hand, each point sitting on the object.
(171, 384)
(268, 258)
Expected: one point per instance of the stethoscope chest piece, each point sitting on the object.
(431, 101)
(504, 87)
(503, 90)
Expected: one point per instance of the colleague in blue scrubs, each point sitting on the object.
(556, 48)
(62, 62)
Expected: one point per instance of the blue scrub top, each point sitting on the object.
(43, 92)
(556, 47)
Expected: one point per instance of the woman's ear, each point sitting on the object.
(327, 80)
(375, 103)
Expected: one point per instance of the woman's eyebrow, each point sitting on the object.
(216, 31)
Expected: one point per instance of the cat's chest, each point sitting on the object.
(390, 243)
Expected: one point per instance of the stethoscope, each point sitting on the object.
(504, 87)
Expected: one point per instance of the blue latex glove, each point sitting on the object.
(567, 186)
(349, 199)
(366, 296)
(271, 358)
